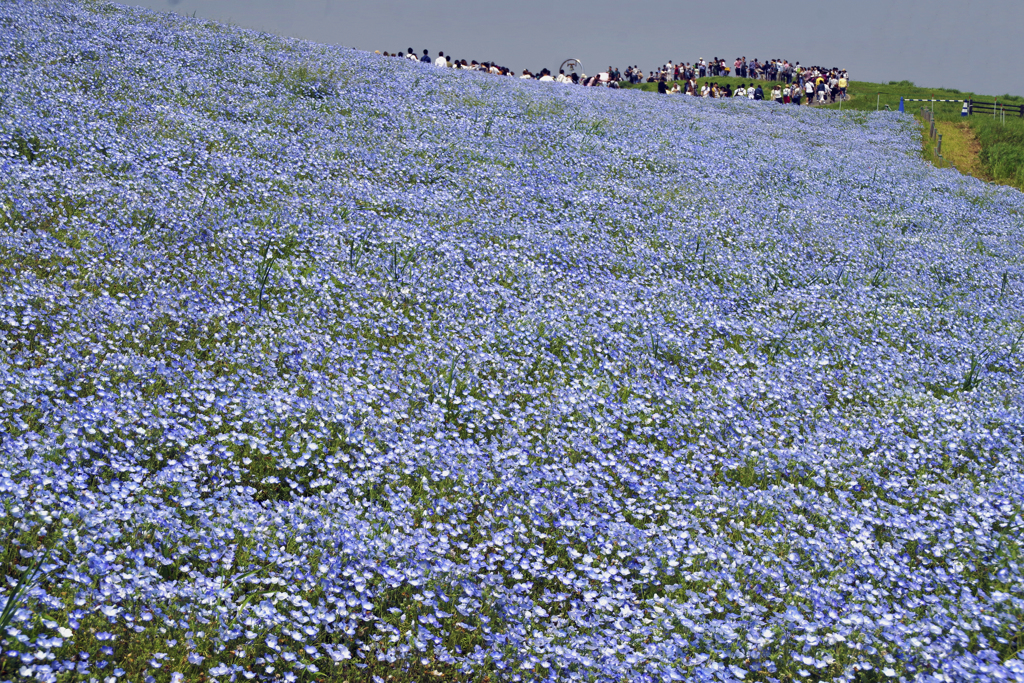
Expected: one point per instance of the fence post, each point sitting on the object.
(938, 147)
(901, 104)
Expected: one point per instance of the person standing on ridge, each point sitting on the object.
(440, 61)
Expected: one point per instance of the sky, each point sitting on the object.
(973, 46)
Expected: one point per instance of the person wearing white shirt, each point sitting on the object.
(705, 90)
(411, 56)
(440, 61)
(740, 91)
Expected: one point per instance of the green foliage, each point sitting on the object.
(26, 145)
(1002, 148)
(312, 82)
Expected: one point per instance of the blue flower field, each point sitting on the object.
(322, 366)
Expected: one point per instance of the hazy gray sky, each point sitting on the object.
(972, 45)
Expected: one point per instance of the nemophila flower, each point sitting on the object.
(509, 377)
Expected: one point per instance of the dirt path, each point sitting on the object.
(961, 148)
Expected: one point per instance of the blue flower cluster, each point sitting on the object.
(317, 365)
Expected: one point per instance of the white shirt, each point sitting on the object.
(546, 79)
(441, 61)
(411, 56)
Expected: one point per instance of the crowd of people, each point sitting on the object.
(605, 79)
(814, 85)
(792, 83)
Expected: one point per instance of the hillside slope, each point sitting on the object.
(327, 366)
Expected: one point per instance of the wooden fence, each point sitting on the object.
(995, 108)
